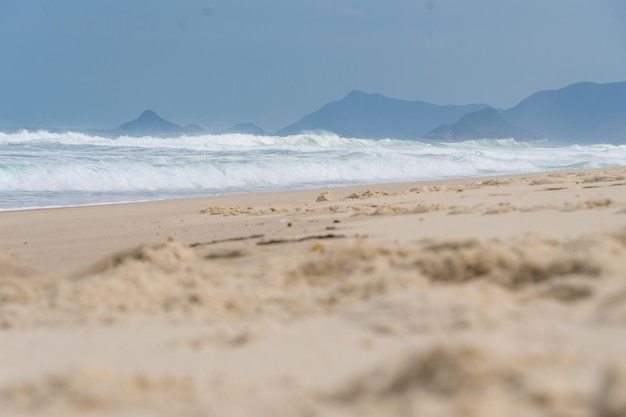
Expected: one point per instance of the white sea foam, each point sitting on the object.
(42, 168)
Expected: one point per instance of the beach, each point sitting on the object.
(494, 296)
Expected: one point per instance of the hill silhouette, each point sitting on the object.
(579, 113)
(246, 129)
(482, 124)
(376, 116)
(583, 112)
(151, 123)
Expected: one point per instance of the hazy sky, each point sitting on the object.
(97, 63)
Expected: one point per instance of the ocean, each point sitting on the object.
(51, 169)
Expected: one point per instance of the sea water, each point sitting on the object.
(50, 169)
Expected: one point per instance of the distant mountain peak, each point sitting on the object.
(150, 122)
(357, 93)
(583, 112)
(246, 128)
(376, 116)
(482, 124)
(149, 114)
(362, 95)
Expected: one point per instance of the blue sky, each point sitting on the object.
(98, 63)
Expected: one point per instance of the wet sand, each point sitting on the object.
(499, 296)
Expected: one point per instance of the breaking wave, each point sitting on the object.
(43, 168)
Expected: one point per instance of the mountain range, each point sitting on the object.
(587, 112)
(487, 123)
(149, 122)
(582, 113)
(361, 115)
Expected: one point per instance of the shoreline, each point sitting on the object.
(491, 296)
(313, 188)
(130, 224)
(400, 184)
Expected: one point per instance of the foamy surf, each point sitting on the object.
(43, 168)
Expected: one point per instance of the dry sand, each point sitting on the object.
(501, 296)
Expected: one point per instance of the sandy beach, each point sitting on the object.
(499, 296)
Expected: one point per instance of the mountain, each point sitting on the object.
(583, 113)
(150, 122)
(482, 124)
(193, 129)
(246, 129)
(579, 113)
(376, 116)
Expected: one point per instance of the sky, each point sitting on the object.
(98, 63)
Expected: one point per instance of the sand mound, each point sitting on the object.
(165, 255)
(172, 277)
(473, 380)
(227, 211)
(443, 188)
(93, 391)
(240, 210)
(12, 267)
(442, 381)
(440, 371)
(368, 194)
(325, 196)
(532, 261)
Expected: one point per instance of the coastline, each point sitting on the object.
(499, 295)
(117, 226)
